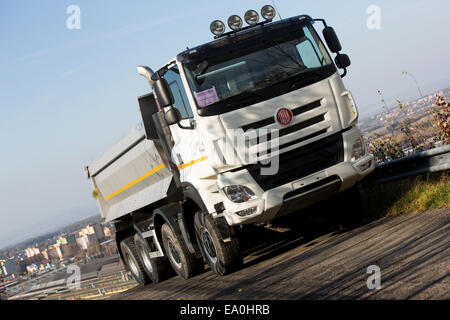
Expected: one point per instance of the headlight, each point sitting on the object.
(359, 149)
(239, 194)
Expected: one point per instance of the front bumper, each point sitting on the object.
(292, 196)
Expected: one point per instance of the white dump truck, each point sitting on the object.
(252, 126)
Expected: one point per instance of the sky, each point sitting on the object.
(66, 95)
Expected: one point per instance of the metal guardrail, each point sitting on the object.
(434, 160)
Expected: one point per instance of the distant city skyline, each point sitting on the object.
(67, 95)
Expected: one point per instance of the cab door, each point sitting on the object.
(188, 148)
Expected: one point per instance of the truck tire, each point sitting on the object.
(157, 269)
(183, 262)
(222, 258)
(131, 258)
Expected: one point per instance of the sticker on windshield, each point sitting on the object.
(206, 97)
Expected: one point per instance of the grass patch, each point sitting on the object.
(415, 194)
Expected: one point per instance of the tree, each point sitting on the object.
(442, 117)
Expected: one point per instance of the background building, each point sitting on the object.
(107, 232)
(10, 267)
(86, 231)
(31, 252)
(83, 242)
(32, 269)
(69, 250)
(45, 254)
(61, 241)
(99, 232)
(94, 246)
(54, 253)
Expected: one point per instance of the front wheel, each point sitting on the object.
(222, 257)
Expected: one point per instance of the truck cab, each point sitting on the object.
(230, 94)
(252, 126)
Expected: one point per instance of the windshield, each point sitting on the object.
(226, 81)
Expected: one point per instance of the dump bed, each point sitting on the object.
(129, 176)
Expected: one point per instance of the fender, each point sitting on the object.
(191, 193)
(173, 215)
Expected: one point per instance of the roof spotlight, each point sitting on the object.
(268, 13)
(235, 22)
(217, 27)
(251, 17)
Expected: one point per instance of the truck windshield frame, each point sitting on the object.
(256, 66)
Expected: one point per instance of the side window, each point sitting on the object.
(309, 55)
(179, 94)
(318, 47)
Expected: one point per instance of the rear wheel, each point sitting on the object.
(185, 264)
(157, 269)
(131, 258)
(222, 257)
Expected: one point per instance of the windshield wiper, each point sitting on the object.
(299, 78)
(255, 94)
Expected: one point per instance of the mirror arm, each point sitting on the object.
(186, 128)
(345, 73)
(323, 21)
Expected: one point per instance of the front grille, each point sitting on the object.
(301, 162)
(261, 144)
(271, 120)
(297, 127)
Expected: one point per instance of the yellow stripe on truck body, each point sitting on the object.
(133, 178)
(130, 176)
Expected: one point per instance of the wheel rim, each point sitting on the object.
(174, 254)
(133, 267)
(146, 259)
(209, 245)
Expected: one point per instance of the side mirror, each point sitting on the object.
(342, 61)
(163, 93)
(173, 116)
(332, 39)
